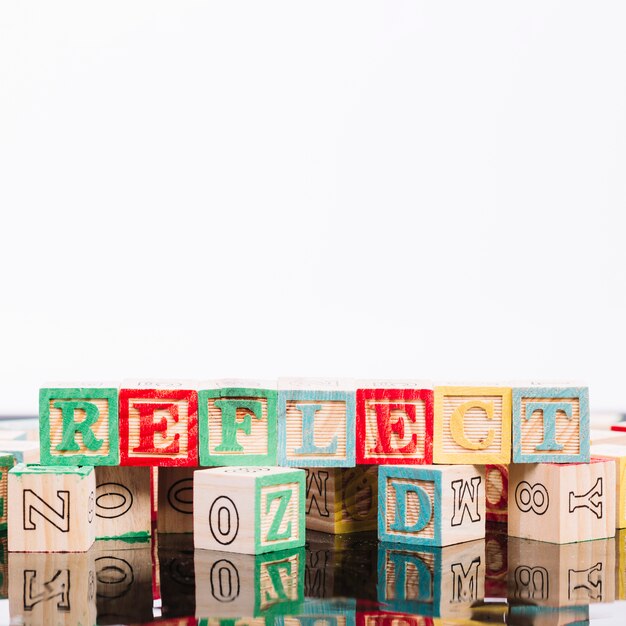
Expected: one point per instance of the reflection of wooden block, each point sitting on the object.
(52, 508)
(544, 616)
(175, 512)
(472, 425)
(497, 492)
(158, 424)
(552, 575)
(238, 423)
(618, 454)
(496, 562)
(53, 588)
(230, 585)
(431, 505)
(4, 568)
(330, 612)
(249, 509)
(123, 503)
(342, 499)
(550, 424)
(123, 584)
(316, 423)
(432, 581)
(7, 461)
(620, 557)
(177, 585)
(392, 618)
(394, 422)
(561, 503)
(79, 425)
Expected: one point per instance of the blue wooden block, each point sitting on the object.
(431, 505)
(316, 428)
(551, 425)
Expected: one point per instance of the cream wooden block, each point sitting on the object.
(249, 510)
(52, 589)
(618, 454)
(440, 582)
(551, 575)
(342, 500)
(175, 497)
(562, 503)
(123, 583)
(52, 509)
(231, 585)
(472, 425)
(7, 461)
(123, 503)
(431, 504)
(23, 451)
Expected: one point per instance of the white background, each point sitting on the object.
(207, 189)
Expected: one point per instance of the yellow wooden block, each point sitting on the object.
(620, 557)
(618, 453)
(472, 425)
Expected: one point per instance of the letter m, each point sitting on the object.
(465, 583)
(465, 500)
(58, 518)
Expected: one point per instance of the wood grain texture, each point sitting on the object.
(559, 576)
(394, 425)
(472, 425)
(620, 558)
(123, 508)
(564, 430)
(51, 509)
(57, 589)
(7, 461)
(618, 454)
(172, 441)
(175, 510)
(562, 503)
(497, 492)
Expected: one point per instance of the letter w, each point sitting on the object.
(31, 503)
(465, 499)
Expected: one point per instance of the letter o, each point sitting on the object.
(224, 520)
(112, 500)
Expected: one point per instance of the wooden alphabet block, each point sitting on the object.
(52, 508)
(23, 451)
(472, 425)
(250, 510)
(551, 425)
(4, 567)
(555, 576)
(620, 558)
(175, 511)
(431, 505)
(123, 503)
(562, 503)
(176, 576)
(316, 612)
(618, 454)
(123, 584)
(439, 582)
(7, 461)
(238, 423)
(496, 567)
(316, 423)
(57, 589)
(497, 492)
(394, 422)
(79, 425)
(231, 585)
(342, 499)
(392, 618)
(158, 424)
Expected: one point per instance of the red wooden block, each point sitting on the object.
(497, 492)
(158, 425)
(394, 424)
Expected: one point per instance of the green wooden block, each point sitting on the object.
(237, 426)
(79, 426)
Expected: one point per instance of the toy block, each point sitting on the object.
(431, 505)
(175, 511)
(531, 615)
(237, 423)
(176, 575)
(316, 419)
(439, 582)
(123, 584)
(555, 576)
(158, 423)
(51, 509)
(316, 612)
(23, 451)
(123, 503)
(56, 589)
(342, 499)
(618, 454)
(391, 618)
(394, 422)
(497, 492)
(7, 461)
(562, 503)
(4, 567)
(551, 425)
(620, 558)
(249, 509)
(79, 424)
(154, 493)
(496, 567)
(231, 585)
(472, 425)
